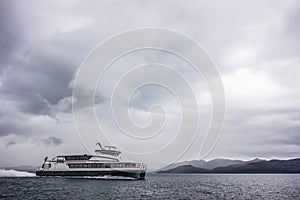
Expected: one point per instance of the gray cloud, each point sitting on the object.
(38, 83)
(10, 143)
(254, 44)
(9, 33)
(50, 141)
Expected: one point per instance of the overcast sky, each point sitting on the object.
(254, 44)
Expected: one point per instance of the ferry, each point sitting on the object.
(105, 163)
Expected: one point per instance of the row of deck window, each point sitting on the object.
(103, 165)
(84, 157)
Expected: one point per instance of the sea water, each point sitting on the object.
(19, 185)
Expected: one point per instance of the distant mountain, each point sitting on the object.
(255, 160)
(253, 166)
(221, 163)
(209, 164)
(272, 166)
(194, 163)
(185, 169)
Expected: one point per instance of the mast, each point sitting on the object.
(99, 144)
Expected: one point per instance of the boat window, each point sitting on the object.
(60, 159)
(47, 166)
(80, 157)
(101, 165)
(127, 165)
(115, 165)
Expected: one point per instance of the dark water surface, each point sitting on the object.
(156, 186)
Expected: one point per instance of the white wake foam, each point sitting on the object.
(110, 177)
(105, 177)
(14, 173)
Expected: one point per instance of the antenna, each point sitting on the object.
(98, 143)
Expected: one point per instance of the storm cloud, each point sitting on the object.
(255, 45)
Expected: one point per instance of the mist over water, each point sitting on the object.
(14, 173)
